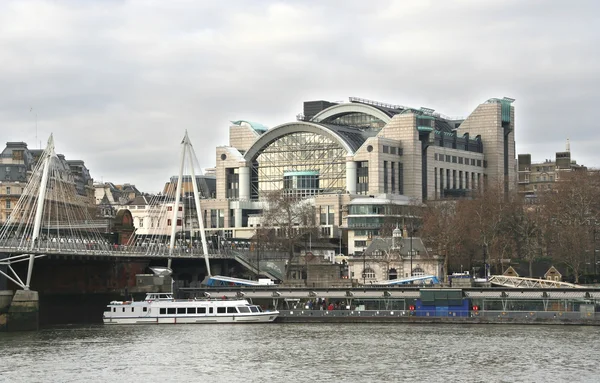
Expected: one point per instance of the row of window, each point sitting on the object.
(9, 190)
(197, 310)
(392, 150)
(391, 171)
(457, 159)
(20, 169)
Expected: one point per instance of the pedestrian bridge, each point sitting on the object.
(55, 217)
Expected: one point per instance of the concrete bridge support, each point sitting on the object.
(21, 312)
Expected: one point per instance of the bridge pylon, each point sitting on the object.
(53, 214)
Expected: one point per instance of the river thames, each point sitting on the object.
(302, 353)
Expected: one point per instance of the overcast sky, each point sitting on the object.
(119, 82)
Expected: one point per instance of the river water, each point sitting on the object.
(302, 353)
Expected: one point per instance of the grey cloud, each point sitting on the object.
(118, 82)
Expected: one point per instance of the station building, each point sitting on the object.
(356, 159)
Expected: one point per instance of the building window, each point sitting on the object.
(400, 178)
(141, 222)
(393, 169)
(169, 208)
(368, 273)
(179, 222)
(454, 160)
(362, 176)
(479, 163)
(386, 149)
(232, 182)
(460, 160)
(7, 190)
(8, 204)
(360, 243)
(448, 158)
(418, 272)
(385, 177)
(393, 150)
(168, 222)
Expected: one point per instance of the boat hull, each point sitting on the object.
(257, 318)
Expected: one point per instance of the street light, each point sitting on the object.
(411, 251)
(364, 268)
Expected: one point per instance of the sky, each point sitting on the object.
(118, 83)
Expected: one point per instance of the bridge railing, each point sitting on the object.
(81, 247)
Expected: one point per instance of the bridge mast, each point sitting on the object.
(184, 145)
(47, 157)
(191, 155)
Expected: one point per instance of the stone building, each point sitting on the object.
(536, 177)
(397, 257)
(17, 162)
(335, 153)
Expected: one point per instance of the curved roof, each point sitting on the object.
(254, 125)
(348, 137)
(352, 107)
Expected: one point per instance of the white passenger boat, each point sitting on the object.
(159, 308)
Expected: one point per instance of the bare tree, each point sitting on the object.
(440, 229)
(291, 219)
(572, 211)
(487, 212)
(524, 228)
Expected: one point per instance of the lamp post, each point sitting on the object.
(364, 268)
(257, 254)
(411, 252)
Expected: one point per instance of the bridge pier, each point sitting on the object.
(19, 312)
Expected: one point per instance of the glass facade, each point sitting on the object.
(321, 160)
(362, 175)
(301, 184)
(358, 119)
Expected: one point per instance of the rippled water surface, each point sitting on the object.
(302, 353)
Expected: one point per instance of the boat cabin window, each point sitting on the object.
(221, 310)
(202, 310)
(181, 310)
(210, 310)
(254, 309)
(107, 309)
(231, 310)
(114, 309)
(191, 310)
(132, 309)
(163, 311)
(171, 310)
(123, 309)
(243, 309)
(145, 309)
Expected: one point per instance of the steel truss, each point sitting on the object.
(515, 282)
